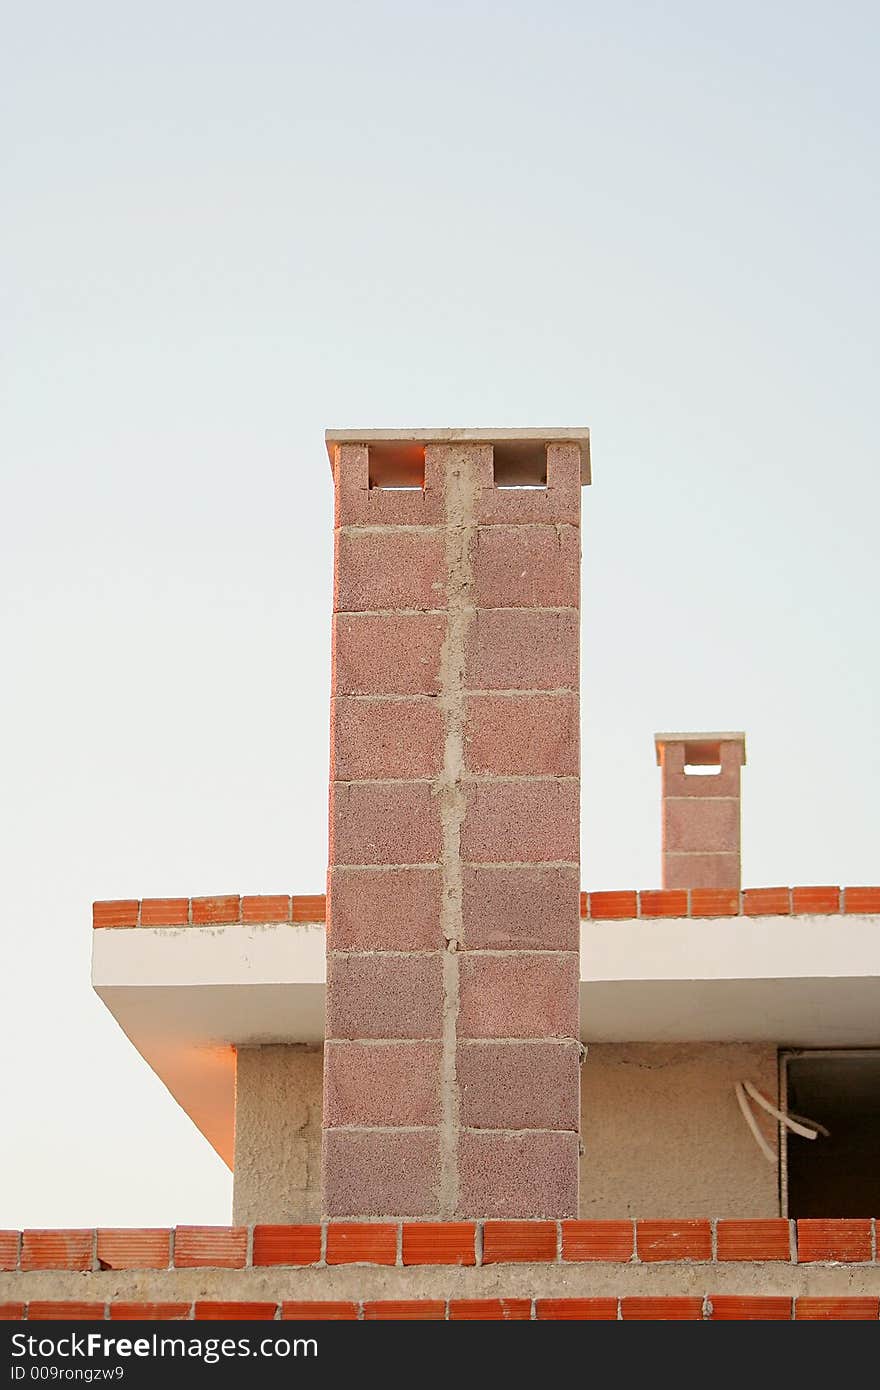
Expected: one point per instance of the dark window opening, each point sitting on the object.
(838, 1176)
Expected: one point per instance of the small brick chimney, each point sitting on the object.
(701, 808)
(451, 1057)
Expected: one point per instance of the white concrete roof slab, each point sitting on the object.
(188, 996)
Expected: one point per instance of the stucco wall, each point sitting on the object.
(663, 1135)
(277, 1174)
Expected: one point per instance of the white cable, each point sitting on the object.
(753, 1124)
(787, 1120)
(826, 1133)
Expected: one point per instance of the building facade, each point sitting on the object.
(459, 1085)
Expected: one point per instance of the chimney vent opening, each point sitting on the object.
(520, 464)
(702, 759)
(397, 467)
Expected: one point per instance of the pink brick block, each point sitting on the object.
(522, 822)
(359, 504)
(387, 653)
(522, 735)
(509, 649)
(391, 570)
(381, 1173)
(376, 823)
(527, 909)
(518, 996)
(531, 1085)
(526, 567)
(522, 506)
(378, 996)
(701, 870)
(385, 738)
(518, 1175)
(384, 909)
(558, 500)
(723, 783)
(382, 1084)
(701, 825)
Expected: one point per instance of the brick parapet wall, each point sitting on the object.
(574, 1270)
(458, 1243)
(232, 910)
(671, 1308)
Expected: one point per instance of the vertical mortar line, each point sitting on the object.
(398, 1245)
(322, 1252)
(713, 1235)
(873, 1240)
(460, 486)
(478, 1244)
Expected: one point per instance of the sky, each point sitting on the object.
(226, 227)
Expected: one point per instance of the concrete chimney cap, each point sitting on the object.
(702, 749)
(578, 435)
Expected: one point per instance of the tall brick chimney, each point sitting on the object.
(451, 1058)
(701, 808)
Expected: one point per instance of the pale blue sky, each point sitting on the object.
(224, 228)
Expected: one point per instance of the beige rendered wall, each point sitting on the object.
(277, 1173)
(663, 1135)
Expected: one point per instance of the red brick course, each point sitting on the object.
(597, 906)
(134, 1249)
(210, 1247)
